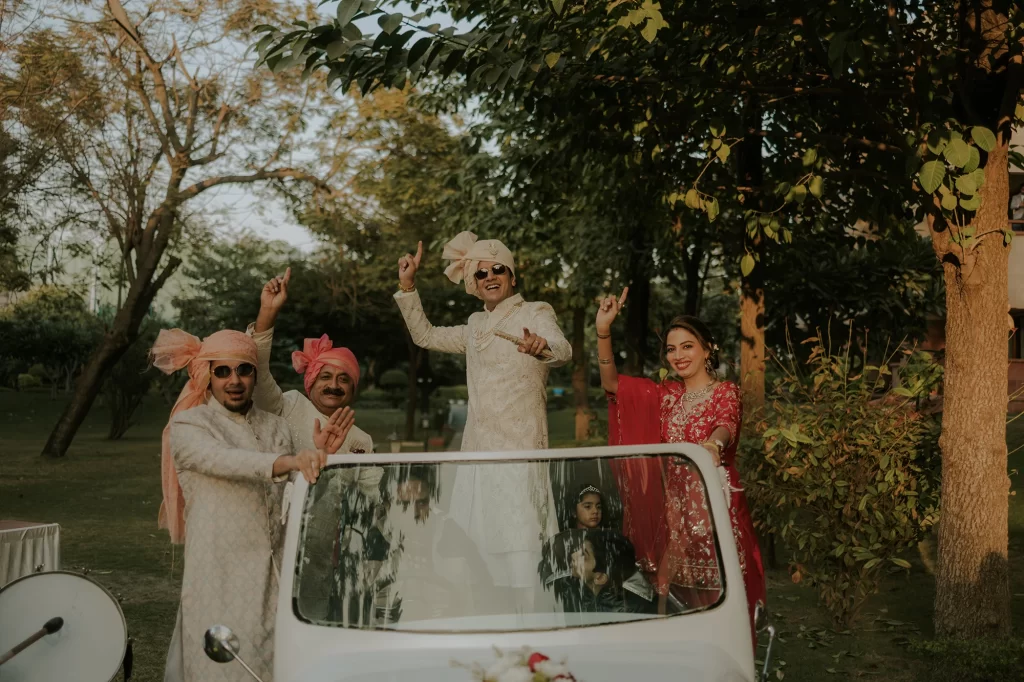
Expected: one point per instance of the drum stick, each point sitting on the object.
(546, 353)
(52, 626)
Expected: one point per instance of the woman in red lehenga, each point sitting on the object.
(693, 407)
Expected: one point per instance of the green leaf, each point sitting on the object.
(692, 199)
(984, 138)
(717, 127)
(973, 162)
(1007, 237)
(810, 156)
(747, 264)
(551, 58)
(723, 153)
(965, 184)
(936, 142)
(816, 186)
(957, 152)
(419, 49)
(949, 201)
(516, 68)
(337, 49)
(712, 209)
(389, 23)
(902, 563)
(970, 203)
(932, 174)
(557, 6)
(346, 10)
(800, 193)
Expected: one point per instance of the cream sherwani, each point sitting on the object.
(294, 406)
(224, 462)
(507, 411)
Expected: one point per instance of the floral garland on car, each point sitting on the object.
(521, 666)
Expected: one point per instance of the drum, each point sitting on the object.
(88, 647)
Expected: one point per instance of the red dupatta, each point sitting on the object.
(634, 418)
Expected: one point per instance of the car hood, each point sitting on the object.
(633, 662)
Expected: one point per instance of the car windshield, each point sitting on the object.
(506, 545)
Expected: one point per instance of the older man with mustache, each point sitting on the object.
(330, 375)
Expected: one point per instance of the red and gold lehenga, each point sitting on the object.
(645, 412)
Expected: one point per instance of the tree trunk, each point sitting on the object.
(580, 385)
(750, 167)
(122, 333)
(638, 305)
(412, 393)
(115, 342)
(752, 342)
(972, 598)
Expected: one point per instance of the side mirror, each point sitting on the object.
(221, 645)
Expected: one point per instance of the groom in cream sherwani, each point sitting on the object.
(507, 402)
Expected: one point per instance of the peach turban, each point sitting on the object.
(465, 252)
(316, 353)
(175, 349)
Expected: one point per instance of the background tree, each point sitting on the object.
(172, 117)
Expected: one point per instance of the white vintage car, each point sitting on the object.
(414, 566)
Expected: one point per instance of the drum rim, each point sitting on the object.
(124, 645)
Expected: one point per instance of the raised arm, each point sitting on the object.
(607, 311)
(424, 334)
(268, 395)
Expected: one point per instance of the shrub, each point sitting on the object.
(992, 660)
(28, 381)
(846, 480)
(396, 383)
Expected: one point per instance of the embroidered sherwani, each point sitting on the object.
(507, 411)
(294, 406)
(224, 462)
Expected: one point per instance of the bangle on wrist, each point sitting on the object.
(407, 290)
(604, 362)
(604, 336)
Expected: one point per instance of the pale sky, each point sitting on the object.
(242, 209)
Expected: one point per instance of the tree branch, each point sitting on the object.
(276, 174)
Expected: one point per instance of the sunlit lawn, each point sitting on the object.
(105, 495)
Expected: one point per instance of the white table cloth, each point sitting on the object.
(27, 547)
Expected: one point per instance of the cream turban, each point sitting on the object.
(466, 252)
(175, 349)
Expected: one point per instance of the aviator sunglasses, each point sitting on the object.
(243, 370)
(498, 270)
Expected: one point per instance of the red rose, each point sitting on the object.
(534, 659)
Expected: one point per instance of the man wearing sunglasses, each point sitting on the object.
(510, 347)
(330, 376)
(224, 462)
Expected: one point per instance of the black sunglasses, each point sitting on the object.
(243, 370)
(498, 270)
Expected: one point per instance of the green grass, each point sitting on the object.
(106, 494)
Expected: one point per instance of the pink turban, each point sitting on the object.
(175, 349)
(316, 353)
(465, 252)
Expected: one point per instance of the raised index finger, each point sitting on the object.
(622, 300)
(419, 254)
(287, 275)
